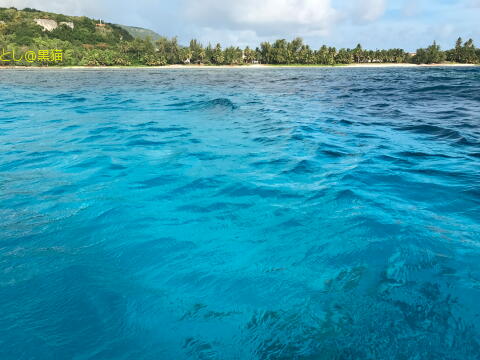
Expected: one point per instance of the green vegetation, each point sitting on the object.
(141, 33)
(89, 42)
(464, 53)
(430, 55)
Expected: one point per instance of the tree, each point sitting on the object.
(185, 55)
(154, 60)
(169, 49)
(344, 56)
(293, 49)
(458, 44)
(233, 56)
(198, 52)
(358, 55)
(217, 56)
(430, 55)
(137, 50)
(280, 52)
(30, 10)
(305, 55)
(249, 55)
(266, 53)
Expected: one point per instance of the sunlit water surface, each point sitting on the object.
(240, 214)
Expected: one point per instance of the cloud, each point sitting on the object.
(369, 10)
(412, 7)
(267, 17)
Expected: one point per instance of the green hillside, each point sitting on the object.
(20, 27)
(141, 33)
(82, 40)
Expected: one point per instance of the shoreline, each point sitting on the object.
(259, 66)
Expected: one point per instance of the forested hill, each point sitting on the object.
(31, 37)
(141, 33)
(84, 41)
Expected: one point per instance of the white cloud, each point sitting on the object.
(264, 17)
(369, 10)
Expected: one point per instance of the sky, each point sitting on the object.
(407, 24)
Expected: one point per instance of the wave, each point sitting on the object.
(240, 214)
(435, 131)
(215, 104)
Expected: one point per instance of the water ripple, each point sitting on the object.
(240, 214)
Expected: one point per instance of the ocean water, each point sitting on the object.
(317, 213)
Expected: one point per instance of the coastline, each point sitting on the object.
(257, 66)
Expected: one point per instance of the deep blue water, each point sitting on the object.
(240, 214)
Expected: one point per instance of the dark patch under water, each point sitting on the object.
(240, 214)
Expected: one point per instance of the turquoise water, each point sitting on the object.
(240, 214)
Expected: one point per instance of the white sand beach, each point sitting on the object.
(255, 66)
